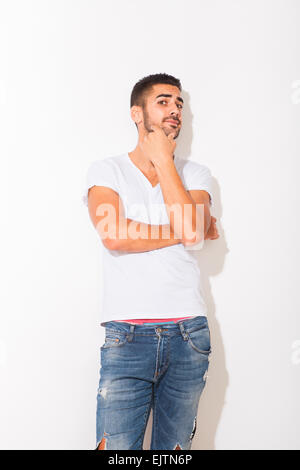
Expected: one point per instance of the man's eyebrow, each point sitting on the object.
(169, 96)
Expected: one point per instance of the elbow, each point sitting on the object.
(111, 244)
(109, 239)
(193, 235)
(195, 240)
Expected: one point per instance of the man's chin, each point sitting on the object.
(170, 131)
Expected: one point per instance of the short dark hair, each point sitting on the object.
(143, 86)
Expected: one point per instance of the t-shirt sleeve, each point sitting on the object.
(198, 176)
(99, 173)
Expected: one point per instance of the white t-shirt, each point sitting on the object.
(161, 283)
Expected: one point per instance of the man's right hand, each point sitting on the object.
(212, 233)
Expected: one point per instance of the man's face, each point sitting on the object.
(164, 105)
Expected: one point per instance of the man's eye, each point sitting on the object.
(165, 101)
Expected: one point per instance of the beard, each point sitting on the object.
(148, 123)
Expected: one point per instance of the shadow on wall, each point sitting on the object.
(210, 261)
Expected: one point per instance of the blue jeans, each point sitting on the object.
(144, 366)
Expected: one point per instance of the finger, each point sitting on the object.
(171, 136)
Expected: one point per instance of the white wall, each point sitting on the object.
(67, 70)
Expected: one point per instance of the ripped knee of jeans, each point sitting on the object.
(177, 447)
(102, 444)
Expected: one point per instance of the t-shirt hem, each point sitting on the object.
(148, 316)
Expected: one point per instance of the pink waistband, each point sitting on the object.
(152, 320)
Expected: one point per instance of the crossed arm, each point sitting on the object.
(151, 237)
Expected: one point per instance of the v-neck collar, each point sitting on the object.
(142, 174)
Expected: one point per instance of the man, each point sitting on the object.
(157, 339)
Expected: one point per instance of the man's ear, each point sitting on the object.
(136, 114)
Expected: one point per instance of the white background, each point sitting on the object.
(67, 71)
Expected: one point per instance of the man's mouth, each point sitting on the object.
(171, 121)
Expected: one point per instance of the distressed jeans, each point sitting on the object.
(144, 367)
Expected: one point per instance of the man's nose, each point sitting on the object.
(176, 112)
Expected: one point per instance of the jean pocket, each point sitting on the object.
(114, 339)
(199, 340)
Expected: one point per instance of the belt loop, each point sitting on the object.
(130, 336)
(183, 332)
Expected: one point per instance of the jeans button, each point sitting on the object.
(158, 330)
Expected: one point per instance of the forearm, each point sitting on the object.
(135, 237)
(187, 221)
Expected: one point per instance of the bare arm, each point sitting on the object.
(119, 233)
(174, 193)
(200, 196)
